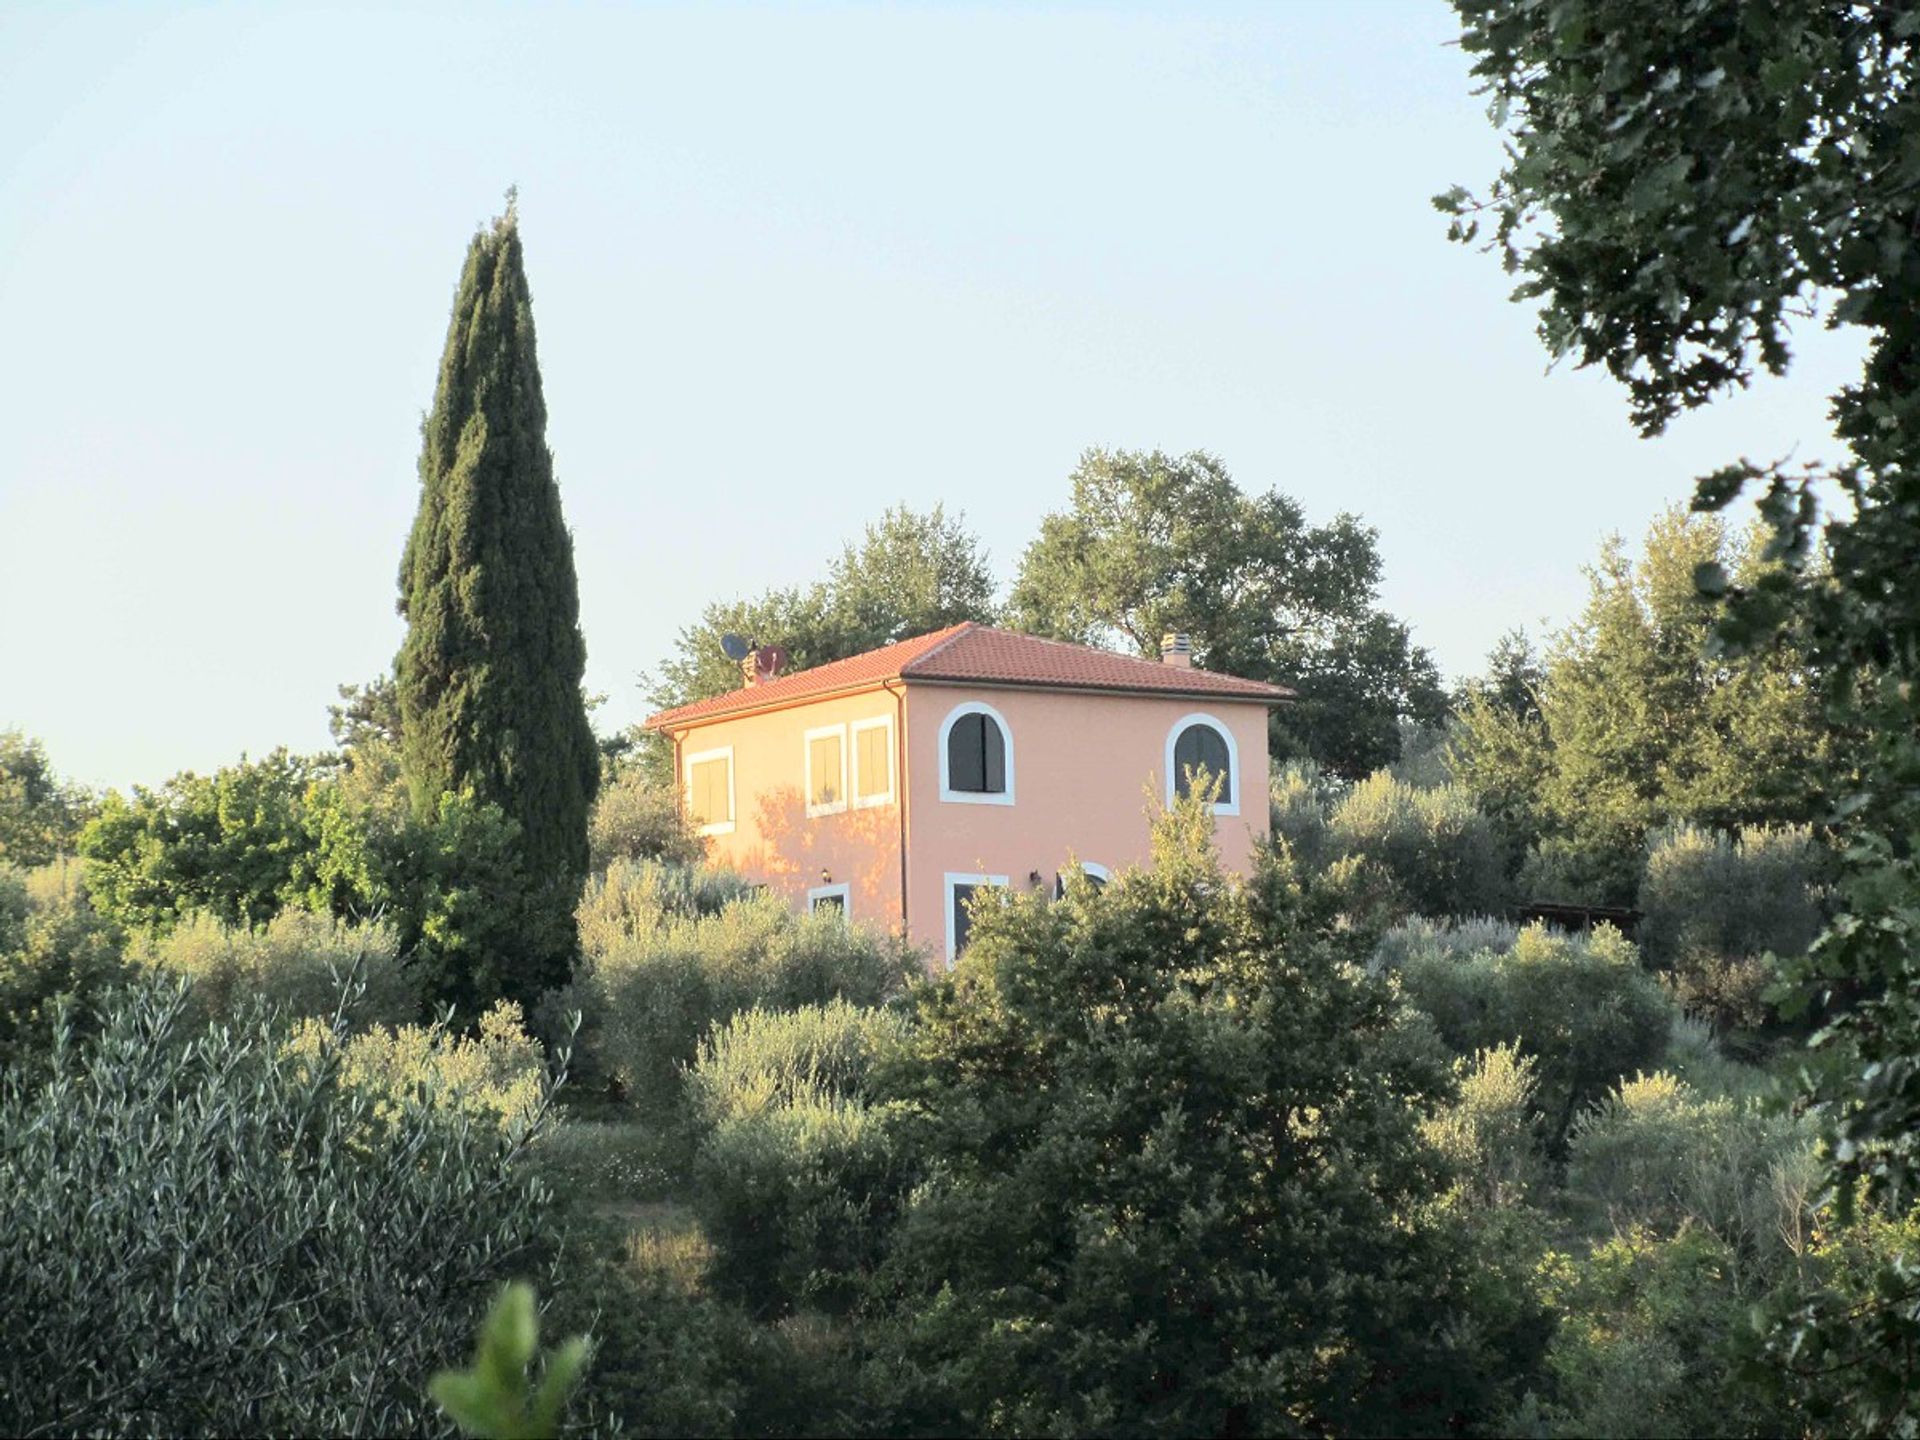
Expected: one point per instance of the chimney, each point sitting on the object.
(750, 668)
(1176, 650)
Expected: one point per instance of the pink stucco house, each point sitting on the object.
(896, 783)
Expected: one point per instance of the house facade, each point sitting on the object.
(896, 783)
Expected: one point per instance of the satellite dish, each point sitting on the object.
(736, 649)
(768, 659)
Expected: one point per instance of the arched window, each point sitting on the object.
(1200, 742)
(1097, 875)
(976, 756)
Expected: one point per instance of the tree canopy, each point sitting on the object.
(910, 572)
(1631, 723)
(1681, 184)
(40, 814)
(1152, 543)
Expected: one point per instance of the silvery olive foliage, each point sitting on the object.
(203, 1232)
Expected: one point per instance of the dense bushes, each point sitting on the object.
(1429, 850)
(636, 819)
(1491, 1131)
(1580, 1005)
(451, 883)
(54, 949)
(297, 962)
(795, 1176)
(1649, 1340)
(660, 971)
(201, 1233)
(229, 844)
(500, 1071)
(1718, 910)
(1171, 1174)
(1658, 1155)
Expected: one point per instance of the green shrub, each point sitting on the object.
(1392, 847)
(14, 909)
(1580, 1005)
(1659, 1156)
(626, 902)
(660, 989)
(297, 962)
(230, 843)
(1450, 938)
(1169, 1175)
(1491, 1131)
(1441, 851)
(1718, 911)
(1696, 1057)
(665, 1363)
(1563, 870)
(1650, 1338)
(1748, 894)
(794, 1176)
(55, 950)
(1859, 1270)
(201, 1233)
(796, 1197)
(500, 1072)
(636, 819)
(760, 1059)
(631, 898)
(1298, 802)
(472, 927)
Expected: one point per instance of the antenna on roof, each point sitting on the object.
(768, 660)
(735, 648)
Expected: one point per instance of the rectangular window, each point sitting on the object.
(826, 770)
(830, 898)
(961, 890)
(710, 791)
(873, 762)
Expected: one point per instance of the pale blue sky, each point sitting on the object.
(790, 264)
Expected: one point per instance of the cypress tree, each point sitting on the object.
(489, 676)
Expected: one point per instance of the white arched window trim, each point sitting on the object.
(1089, 868)
(973, 797)
(1218, 726)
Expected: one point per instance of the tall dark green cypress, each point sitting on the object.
(489, 676)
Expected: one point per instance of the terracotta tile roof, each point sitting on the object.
(974, 654)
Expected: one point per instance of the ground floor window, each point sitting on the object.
(961, 890)
(827, 897)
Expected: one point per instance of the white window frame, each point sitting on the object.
(1236, 779)
(700, 757)
(953, 878)
(868, 802)
(821, 892)
(1089, 867)
(823, 732)
(975, 797)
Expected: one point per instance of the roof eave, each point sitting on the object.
(665, 719)
(1280, 696)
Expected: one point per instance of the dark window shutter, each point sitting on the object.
(1201, 746)
(966, 755)
(976, 756)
